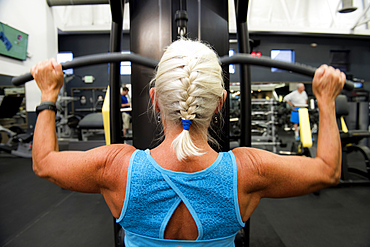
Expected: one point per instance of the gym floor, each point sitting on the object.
(35, 212)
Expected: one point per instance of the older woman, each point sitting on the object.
(183, 193)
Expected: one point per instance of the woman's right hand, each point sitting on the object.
(49, 78)
(327, 84)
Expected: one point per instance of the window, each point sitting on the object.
(231, 66)
(125, 65)
(340, 60)
(282, 55)
(63, 57)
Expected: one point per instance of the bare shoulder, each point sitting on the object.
(247, 158)
(117, 159)
(113, 179)
(249, 164)
(118, 154)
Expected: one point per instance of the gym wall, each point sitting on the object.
(84, 44)
(35, 19)
(88, 44)
(359, 55)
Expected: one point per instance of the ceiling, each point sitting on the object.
(281, 16)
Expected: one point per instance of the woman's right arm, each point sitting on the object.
(285, 176)
(100, 170)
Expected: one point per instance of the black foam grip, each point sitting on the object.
(93, 60)
(22, 79)
(267, 62)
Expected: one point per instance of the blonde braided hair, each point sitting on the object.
(188, 86)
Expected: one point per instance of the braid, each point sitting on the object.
(187, 102)
(188, 86)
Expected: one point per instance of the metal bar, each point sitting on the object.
(273, 143)
(199, 19)
(116, 7)
(93, 60)
(241, 11)
(267, 62)
(52, 3)
(364, 5)
(361, 16)
(115, 84)
(363, 22)
(151, 63)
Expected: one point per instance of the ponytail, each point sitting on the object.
(183, 145)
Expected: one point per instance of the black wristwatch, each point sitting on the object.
(46, 105)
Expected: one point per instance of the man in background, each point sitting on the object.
(125, 104)
(296, 99)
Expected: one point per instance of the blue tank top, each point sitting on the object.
(153, 193)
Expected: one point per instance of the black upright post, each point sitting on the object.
(150, 33)
(241, 10)
(114, 72)
(117, 7)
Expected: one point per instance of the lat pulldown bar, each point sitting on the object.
(267, 62)
(93, 60)
(236, 59)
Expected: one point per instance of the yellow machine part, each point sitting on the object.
(106, 117)
(343, 124)
(305, 128)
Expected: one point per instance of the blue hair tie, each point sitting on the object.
(186, 124)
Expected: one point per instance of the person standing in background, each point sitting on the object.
(125, 104)
(296, 99)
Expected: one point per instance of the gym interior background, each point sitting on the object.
(37, 213)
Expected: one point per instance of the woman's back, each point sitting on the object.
(178, 200)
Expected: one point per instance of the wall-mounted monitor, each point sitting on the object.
(282, 55)
(13, 43)
(358, 84)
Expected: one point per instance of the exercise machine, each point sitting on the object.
(351, 143)
(134, 58)
(14, 140)
(65, 122)
(142, 69)
(18, 144)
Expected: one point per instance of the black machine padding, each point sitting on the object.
(341, 106)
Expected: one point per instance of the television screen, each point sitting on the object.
(358, 84)
(282, 55)
(13, 43)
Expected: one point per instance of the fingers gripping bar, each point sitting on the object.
(134, 58)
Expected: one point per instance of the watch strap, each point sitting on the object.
(46, 105)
